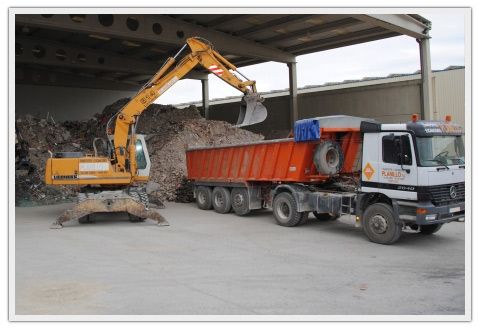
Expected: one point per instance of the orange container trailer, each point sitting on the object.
(282, 160)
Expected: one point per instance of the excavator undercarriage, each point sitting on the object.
(133, 201)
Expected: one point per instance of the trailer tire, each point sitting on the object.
(328, 157)
(430, 229)
(204, 197)
(221, 200)
(240, 201)
(325, 216)
(285, 211)
(379, 224)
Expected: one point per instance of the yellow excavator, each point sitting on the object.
(115, 182)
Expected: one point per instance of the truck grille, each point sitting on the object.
(440, 195)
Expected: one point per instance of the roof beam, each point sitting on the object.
(332, 45)
(403, 24)
(62, 79)
(172, 31)
(50, 53)
(223, 19)
(272, 23)
(325, 27)
(337, 40)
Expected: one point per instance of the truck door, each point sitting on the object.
(398, 167)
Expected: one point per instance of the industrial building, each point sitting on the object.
(105, 258)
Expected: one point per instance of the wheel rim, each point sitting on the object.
(202, 197)
(219, 200)
(238, 200)
(331, 157)
(378, 224)
(283, 210)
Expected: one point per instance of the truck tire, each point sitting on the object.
(325, 216)
(328, 157)
(285, 212)
(379, 224)
(430, 228)
(221, 200)
(204, 197)
(240, 201)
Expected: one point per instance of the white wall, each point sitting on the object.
(449, 95)
(64, 103)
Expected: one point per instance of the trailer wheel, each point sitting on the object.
(328, 157)
(204, 197)
(221, 200)
(430, 229)
(380, 225)
(325, 216)
(240, 201)
(285, 212)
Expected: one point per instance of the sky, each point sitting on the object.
(378, 58)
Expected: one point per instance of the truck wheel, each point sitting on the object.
(430, 228)
(285, 212)
(221, 200)
(240, 201)
(328, 157)
(204, 198)
(325, 216)
(380, 225)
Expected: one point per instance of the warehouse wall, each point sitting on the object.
(62, 102)
(391, 102)
(394, 100)
(449, 95)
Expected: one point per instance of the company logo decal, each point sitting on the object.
(368, 171)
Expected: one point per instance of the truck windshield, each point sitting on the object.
(441, 150)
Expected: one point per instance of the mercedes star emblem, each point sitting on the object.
(453, 192)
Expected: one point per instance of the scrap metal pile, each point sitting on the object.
(169, 132)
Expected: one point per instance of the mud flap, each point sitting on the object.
(252, 111)
(107, 202)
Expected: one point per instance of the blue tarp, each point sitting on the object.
(307, 130)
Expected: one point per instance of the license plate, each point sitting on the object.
(454, 209)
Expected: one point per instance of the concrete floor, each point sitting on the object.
(208, 263)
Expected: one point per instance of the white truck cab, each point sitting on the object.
(419, 167)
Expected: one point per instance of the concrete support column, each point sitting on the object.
(294, 108)
(205, 97)
(426, 70)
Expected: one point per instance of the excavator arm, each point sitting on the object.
(202, 53)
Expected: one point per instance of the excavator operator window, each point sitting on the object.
(140, 158)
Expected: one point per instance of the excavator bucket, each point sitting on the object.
(252, 111)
